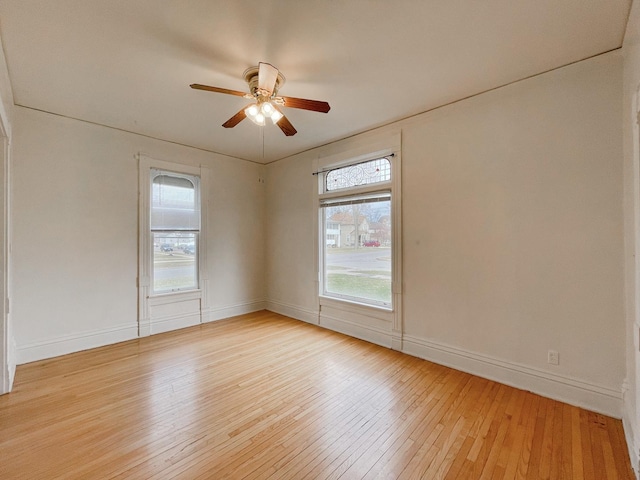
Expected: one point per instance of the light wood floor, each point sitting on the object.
(264, 396)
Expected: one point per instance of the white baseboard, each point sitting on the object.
(293, 311)
(357, 330)
(8, 375)
(75, 342)
(12, 362)
(5, 379)
(174, 322)
(396, 342)
(630, 432)
(65, 344)
(363, 332)
(566, 389)
(558, 387)
(220, 313)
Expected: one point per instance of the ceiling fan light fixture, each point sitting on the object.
(254, 114)
(252, 110)
(259, 112)
(267, 109)
(276, 116)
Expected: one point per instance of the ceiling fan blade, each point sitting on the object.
(236, 119)
(305, 104)
(285, 126)
(267, 77)
(197, 86)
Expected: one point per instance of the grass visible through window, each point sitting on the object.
(360, 286)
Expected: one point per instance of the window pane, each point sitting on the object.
(174, 205)
(174, 261)
(373, 171)
(358, 251)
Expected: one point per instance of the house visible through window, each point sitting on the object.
(357, 233)
(175, 228)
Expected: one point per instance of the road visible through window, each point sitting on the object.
(174, 262)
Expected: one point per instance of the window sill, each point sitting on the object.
(172, 296)
(353, 304)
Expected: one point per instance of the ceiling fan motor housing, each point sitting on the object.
(251, 77)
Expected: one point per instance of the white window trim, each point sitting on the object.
(7, 342)
(146, 297)
(385, 324)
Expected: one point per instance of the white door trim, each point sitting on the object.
(7, 358)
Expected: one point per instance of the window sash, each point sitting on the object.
(174, 214)
(174, 224)
(349, 291)
(173, 255)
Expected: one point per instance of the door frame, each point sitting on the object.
(7, 345)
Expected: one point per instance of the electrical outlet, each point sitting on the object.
(553, 357)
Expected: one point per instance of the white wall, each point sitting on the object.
(291, 274)
(513, 225)
(76, 232)
(512, 234)
(631, 50)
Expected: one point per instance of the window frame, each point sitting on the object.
(391, 187)
(382, 189)
(153, 316)
(328, 172)
(195, 180)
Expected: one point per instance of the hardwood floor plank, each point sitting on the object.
(618, 444)
(529, 424)
(479, 449)
(467, 405)
(378, 400)
(577, 457)
(357, 438)
(508, 458)
(502, 426)
(457, 465)
(542, 449)
(262, 396)
(377, 460)
(592, 455)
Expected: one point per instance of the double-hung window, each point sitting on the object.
(357, 248)
(172, 262)
(175, 229)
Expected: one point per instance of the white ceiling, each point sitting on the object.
(128, 63)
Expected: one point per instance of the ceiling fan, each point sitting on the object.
(264, 82)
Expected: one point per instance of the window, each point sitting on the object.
(364, 173)
(175, 229)
(172, 259)
(356, 219)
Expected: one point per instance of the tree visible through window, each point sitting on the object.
(175, 226)
(357, 233)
